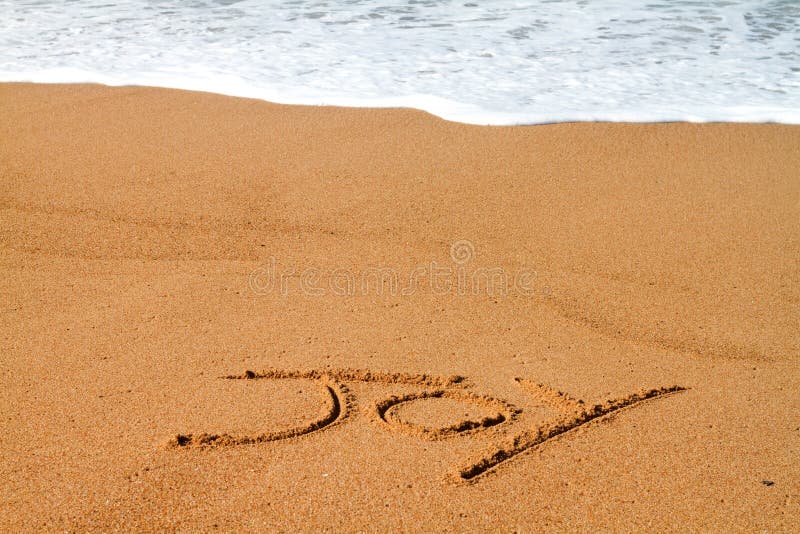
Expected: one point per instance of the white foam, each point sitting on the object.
(479, 61)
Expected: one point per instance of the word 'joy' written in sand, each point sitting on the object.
(441, 279)
(338, 405)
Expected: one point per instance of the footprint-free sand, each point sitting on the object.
(221, 313)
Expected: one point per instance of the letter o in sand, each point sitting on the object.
(385, 414)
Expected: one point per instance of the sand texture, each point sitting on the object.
(220, 313)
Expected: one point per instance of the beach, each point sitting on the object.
(223, 313)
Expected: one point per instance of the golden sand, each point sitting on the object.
(220, 313)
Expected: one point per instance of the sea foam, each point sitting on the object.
(478, 61)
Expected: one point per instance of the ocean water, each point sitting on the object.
(475, 61)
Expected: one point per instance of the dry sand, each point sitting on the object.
(640, 371)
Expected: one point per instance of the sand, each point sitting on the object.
(220, 313)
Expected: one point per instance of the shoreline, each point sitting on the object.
(438, 107)
(162, 257)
